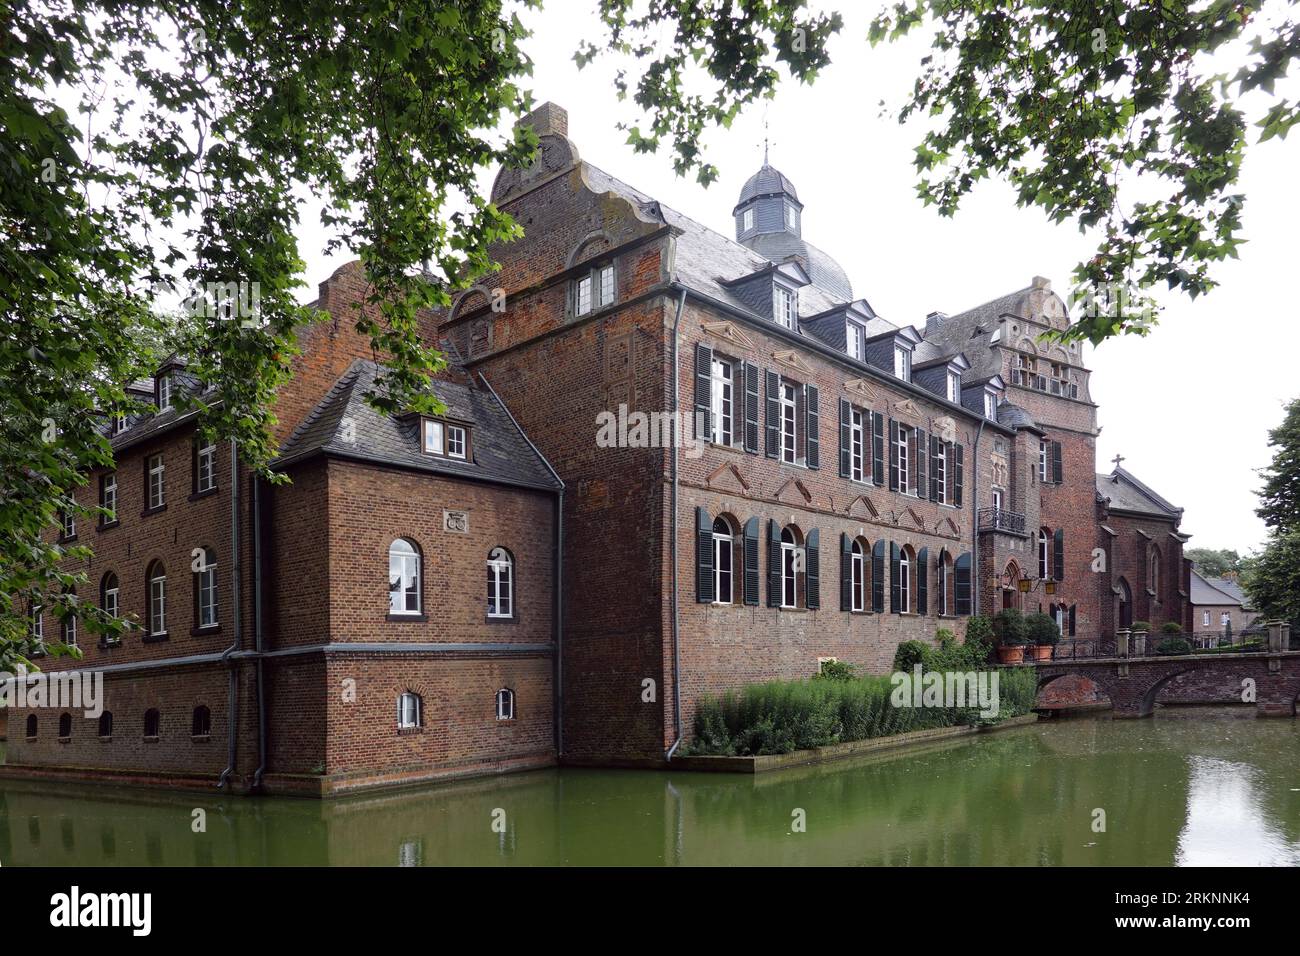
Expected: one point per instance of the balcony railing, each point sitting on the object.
(995, 519)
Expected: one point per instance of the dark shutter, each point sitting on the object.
(703, 557)
(922, 580)
(921, 480)
(812, 411)
(1056, 462)
(773, 564)
(957, 473)
(846, 438)
(751, 407)
(877, 448)
(961, 585)
(813, 570)
(846, 572)
(773, 414)
(895, 593)
(751, 561)
(878, 576)
(1071, 626)
(1058, 554)
(893, 455)
(703, 391)
(934, 471)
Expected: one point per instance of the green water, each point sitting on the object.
(1188, 787)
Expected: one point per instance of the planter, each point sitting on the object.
(1139, 643)
(1042, 652)
(1010, 653)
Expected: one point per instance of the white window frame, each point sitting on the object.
(747, 219)
(112, 598)
(207, 585)
(505, 704)
(858, 576)
(942, 581)
(724, 545)
(157, 484)
(409, 711)
(119, 423)
(789, 424)
(158, 604)
(722, 392)
(109, 502)
(990, 406)
(856, 340)
(940, 467)
(1225, 618)
(903, 433)
(206, 465)
(954, 387)
(791, 216)
(857, 444)
(1205, 619)
(789, 576)
(38, 624)
(606, 289)
(69, 524)
(501, 583)
(997, 499)
(902, 363)
(164, 392)
(1042, 459)
(783, 306)
(904, 582)
(433, 436)
(583, 294)
(1042, 555)
(399, 595)
(457, 442)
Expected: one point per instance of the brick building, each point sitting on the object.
(1219, 608)
(685, 462)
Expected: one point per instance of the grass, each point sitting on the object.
(780, 717)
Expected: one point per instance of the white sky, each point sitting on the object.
(1188, 406)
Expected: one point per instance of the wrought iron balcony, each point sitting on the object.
(995, 519)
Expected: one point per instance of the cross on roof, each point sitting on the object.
(1117, 459)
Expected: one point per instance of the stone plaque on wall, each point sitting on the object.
(456, 521)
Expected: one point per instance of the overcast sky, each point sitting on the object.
(1188, 406)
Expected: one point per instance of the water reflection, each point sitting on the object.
(1190, 789)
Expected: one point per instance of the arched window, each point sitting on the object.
(201, 724)
(858, 574)
(505, 704)
(205, 588)
(500, 583)
(68, 626)
(31, 726)
(724, 552)
(945, 583)
(108, 594)
(65, 725)
(906, 566)
(1044, 564)
(152, 722)
(157, 576)
(790, 566)
(403, 578)
(106, 724)
(410, 711)
(1153, 572)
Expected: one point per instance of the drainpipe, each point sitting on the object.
(677, 657)
(557, 623)
(233, 695)
(257, 633)
(975, 520)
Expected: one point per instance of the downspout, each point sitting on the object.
(257, 633)
(975, 520)
(233, 694)
(677, 656)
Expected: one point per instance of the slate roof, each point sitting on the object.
(1014, 416)
(1126, 493)
(1215, 590)
(344, 424)
(768, 181)
(824, 271)
(972, 332)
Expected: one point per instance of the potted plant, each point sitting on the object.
(1009, 626)
(1140, 629)
(1043, 634)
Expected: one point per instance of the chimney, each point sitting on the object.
(934, 320)
(1038, 282)
(548, 119)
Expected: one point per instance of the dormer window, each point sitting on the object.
(595, 290)
(747, 220)
(164, 391)
(954, 386)
(791, 220)
(856, 340)
(119, 423)
(903, 363)
(445, 439)
(783, 306)
(990, 405)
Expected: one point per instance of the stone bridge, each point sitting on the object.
(1271, 681)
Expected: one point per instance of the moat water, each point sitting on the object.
(1188, 787)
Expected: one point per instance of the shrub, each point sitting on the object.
(1041, 629)
(1171, 627)
(1009, 626)
(1140, 626)
(909, 654)
(834, 670)
(1171, 646)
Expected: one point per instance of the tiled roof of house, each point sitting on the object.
(343, 423)
(1212, 591)
(1126, 493)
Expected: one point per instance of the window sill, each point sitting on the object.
(108, 525)
(106, 738)
(507, 720)
(796, 610)
(202, 494)
(150, 740)
(154, 638)
(30, 740)
(863, 613)
(409, 731)
(152, 511)
(501, 619)
(65, 740)
(205, 630)
(108, 645)
(68, 540)
(200, 738)
(413, 618)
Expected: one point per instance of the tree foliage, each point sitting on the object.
(146, 146)
(1067, 100)
(1272, 577)
(1214, 563)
